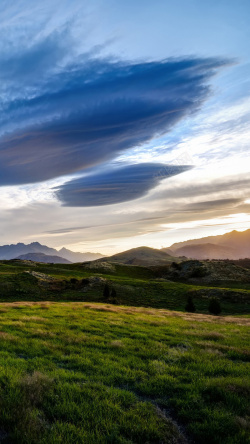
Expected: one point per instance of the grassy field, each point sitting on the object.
(98, 373)
(135, 286)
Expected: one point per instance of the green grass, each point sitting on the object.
(135, 286)
(97, 373)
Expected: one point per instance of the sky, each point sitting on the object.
(123, 124)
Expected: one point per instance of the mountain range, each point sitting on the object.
(234, 245)
(14, 251)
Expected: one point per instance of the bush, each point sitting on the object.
(113, 299)
(198, 272)
(176, 265)
(106, 292)
(190, 305)
(214, 306)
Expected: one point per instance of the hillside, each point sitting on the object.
(207, 272)
(166, 286)
(206, 251)
(237, 241)
(41, 257)
(16, 250)
(141, 256)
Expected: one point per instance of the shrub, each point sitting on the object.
(113, 299)
(198, 272)
(176, 265)
(214, 306)
(190, 305)
(106, 291)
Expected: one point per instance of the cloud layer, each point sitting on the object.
(120, 185)
(87, 112)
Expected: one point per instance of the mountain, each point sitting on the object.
(206, 251)
(141, 256)
(238, 243)
(15, 250)
(45, 258)
(78, 257)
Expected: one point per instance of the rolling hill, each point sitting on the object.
(141, 256)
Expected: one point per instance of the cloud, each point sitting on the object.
(112, 187)
(27, 68)
(87, 112)
(219, 188)
(212, 205)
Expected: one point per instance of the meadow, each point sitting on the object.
(98, 373)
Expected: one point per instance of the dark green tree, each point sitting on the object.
(190, 305)
(214, 306)
(106, 292)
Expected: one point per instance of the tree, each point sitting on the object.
(214, 306)
(190, 305)
(106, 291)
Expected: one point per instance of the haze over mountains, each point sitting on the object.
(206, 251)
(233, 245)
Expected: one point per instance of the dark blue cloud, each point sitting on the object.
(92, 110)
(120, 185)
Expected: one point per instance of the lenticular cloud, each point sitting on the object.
(115, 186)
(91, 111)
